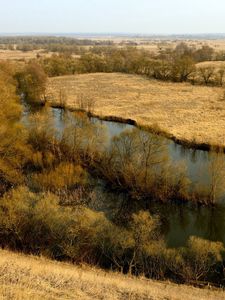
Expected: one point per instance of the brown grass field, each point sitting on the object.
(190, 113)
(214, 64)
(16, 55)
(27, 277)
(154, 45)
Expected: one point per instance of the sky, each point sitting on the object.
(112, 16)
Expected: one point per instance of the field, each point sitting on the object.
(190, 113)
(151, 44)
(154, 45)
(17, 55)
(27, 277)
(214, 64)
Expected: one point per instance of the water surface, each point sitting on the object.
(179, 222)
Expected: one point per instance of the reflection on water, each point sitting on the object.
(179, 221)
(196, 161)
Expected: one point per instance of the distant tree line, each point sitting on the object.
(75, 56)
(48, 43)
(177, 65)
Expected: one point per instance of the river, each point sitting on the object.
(179, 221)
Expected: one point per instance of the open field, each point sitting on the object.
(214, 64)
(27, 277)
(155, 45)
(16, 55)
(190, 113)
(154, 42)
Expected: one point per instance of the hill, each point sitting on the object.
(28, 277)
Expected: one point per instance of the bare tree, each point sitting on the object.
(216, 177)
(206, 74)
(220, 76)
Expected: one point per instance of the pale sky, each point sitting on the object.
(112, 16)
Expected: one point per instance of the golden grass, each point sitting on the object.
(28, 277)
(154, 45)
(15, 55)
(214, 64)
(191, 113)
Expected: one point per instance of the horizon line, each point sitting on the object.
(113, 34)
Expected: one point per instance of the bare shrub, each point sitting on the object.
(85, 103)
(138, 162)
(206, 74)
(65, 176)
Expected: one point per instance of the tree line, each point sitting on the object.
(179, 65)
(75, 56)
(49, 43)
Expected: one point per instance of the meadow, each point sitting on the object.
(188, 112)
(18, 55)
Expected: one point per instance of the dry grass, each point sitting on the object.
(191, 113)
(218, 45)
(154, 45)
(15, 55)
(26, 277)
(215, 64)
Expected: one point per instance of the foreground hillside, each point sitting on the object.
(193, 113)
(25, 277)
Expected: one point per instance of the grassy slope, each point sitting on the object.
(27, 277)
(215, 64)
(188, 112)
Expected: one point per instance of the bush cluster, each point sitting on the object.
(36, 223)
(177, 65)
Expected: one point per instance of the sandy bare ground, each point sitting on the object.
(191, 113)
(26, 277)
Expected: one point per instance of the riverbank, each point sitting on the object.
(29, 277)
(155, 129)
(193, 116)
